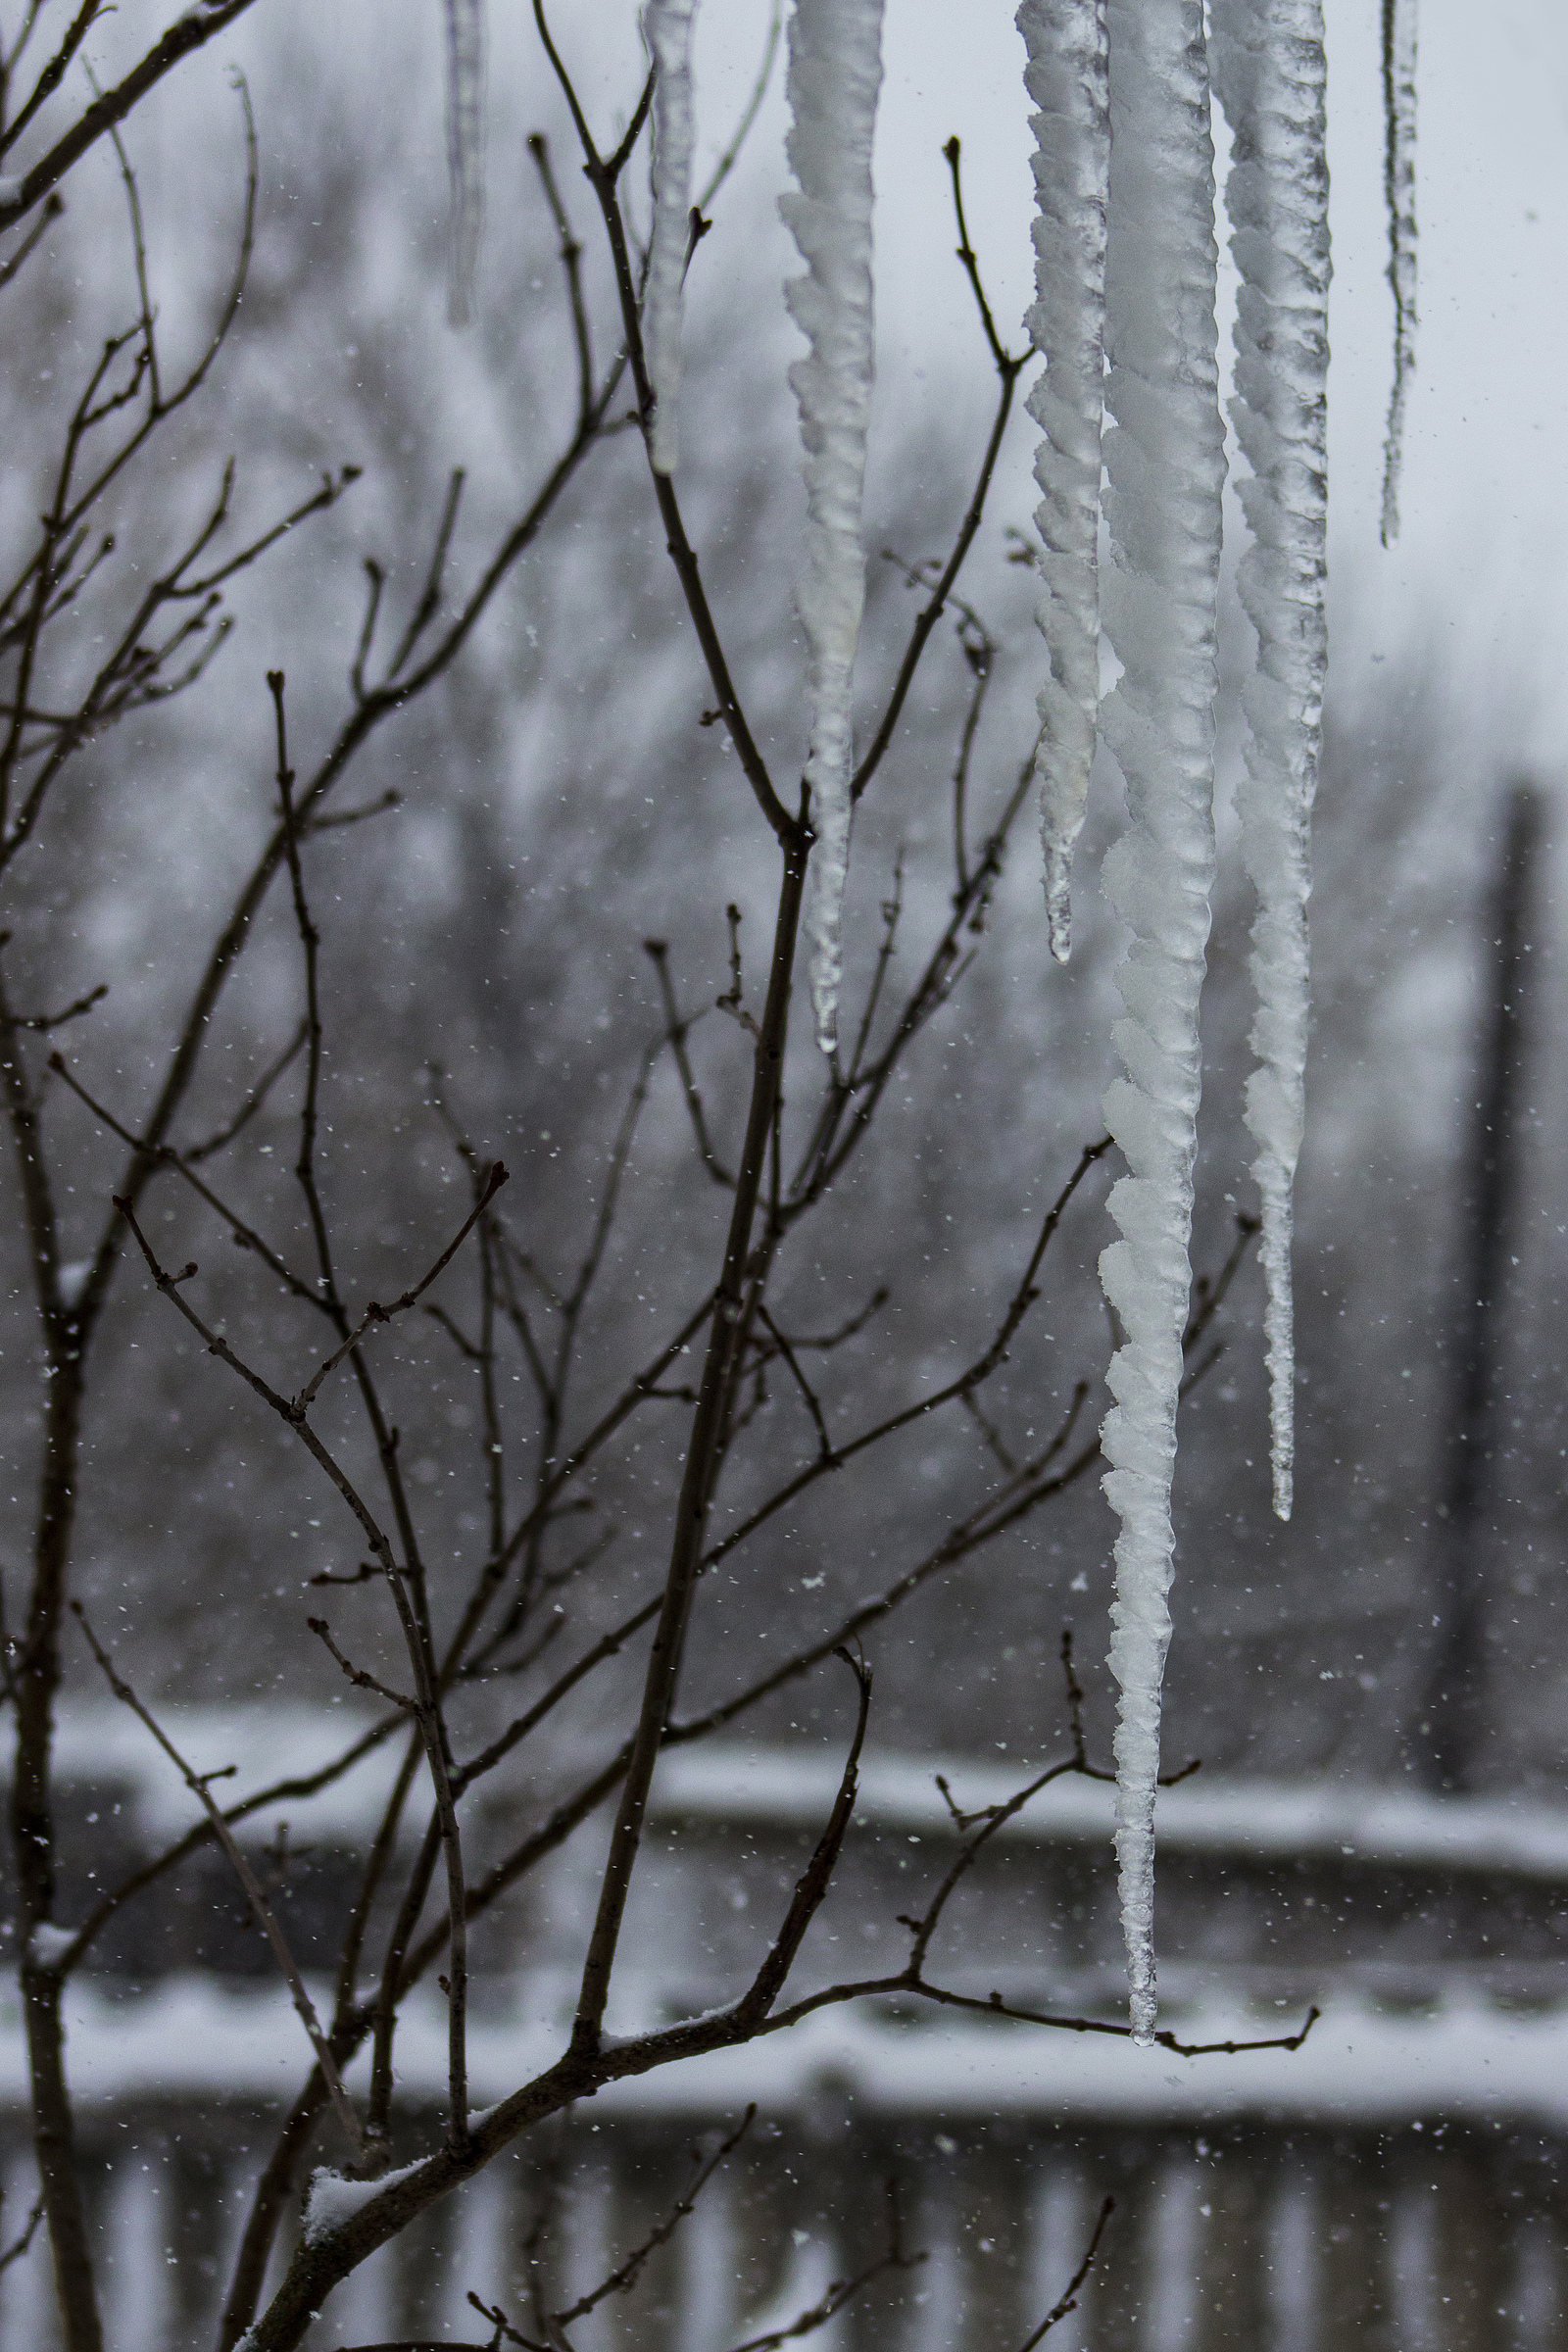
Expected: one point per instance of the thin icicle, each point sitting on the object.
(1067, 78)
(667, 30)
(834, 77)
(1269, 75)
(1398, 194)
(1165, 461)
(464, 151)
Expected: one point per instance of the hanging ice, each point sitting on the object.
(835, 73)
(1065, 76)
(465, 149)
(667, 29)
(1398, 192)
(1165, 462)
(1269, 76)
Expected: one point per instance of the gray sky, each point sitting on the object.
(1479, 576)
(1481, 570)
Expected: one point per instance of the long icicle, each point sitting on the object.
(1165, 462)
(1067, 78)
(1399, 196)
(667, 30)
(835, 74)
(464, 151)
(1269, 73)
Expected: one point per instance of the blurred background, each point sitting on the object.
(560, 802)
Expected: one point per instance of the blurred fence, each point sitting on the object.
(1394, 2185)
(1266, 2241)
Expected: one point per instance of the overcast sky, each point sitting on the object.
(1481, 570)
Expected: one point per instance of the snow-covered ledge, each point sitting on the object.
(1259, 1819)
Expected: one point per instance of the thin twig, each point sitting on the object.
(1008, 368)
(626, 2273)
(1069, 2300)
(571, 264)
(749, 112)
(19, 2246)
(266, 1920)
(676, 1031)
(375, 1313)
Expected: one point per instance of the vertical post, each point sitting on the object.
(1451, 1715)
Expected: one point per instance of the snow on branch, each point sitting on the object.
(1269, 75)
(1165, 462)
(1067, 78)
(835, 73)
(667, 30)
(465, 149)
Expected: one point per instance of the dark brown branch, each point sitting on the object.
(375, 1313)
(676, 1031)
(858, 1100)
(340, 818)
(813, 1402)
(53, 207)
(264, 1916)
(54, 72)
(627, 2274)
(1009, 369)
(571, 264)
(19, 2247)
(843, 2290)
(429, 601)
(253, 1102)
(1069, 2300)
(43, 1022)
(974, 1376)
(285, 1792)
(971, 265)
(811, 1886)
(426, 1684)
(602, 178)
(357, 1675)
(749, 112)
(165, 1157)
(189, 32)
(702, 1465)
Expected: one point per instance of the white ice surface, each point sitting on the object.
(667, 29)
(835, 73)
(1165, 464)
(1067, 78)
(1269, 75)
(1400, 103)
(464, 149)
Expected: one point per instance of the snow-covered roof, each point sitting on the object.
(736, 1782)
(97, 1744)
(1259, 1819)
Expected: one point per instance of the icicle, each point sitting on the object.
(1065, 76)
(1269, 76)
(1398, 193)
(465, 149)
(667, 29)
(1165, 461)
(834, 75)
